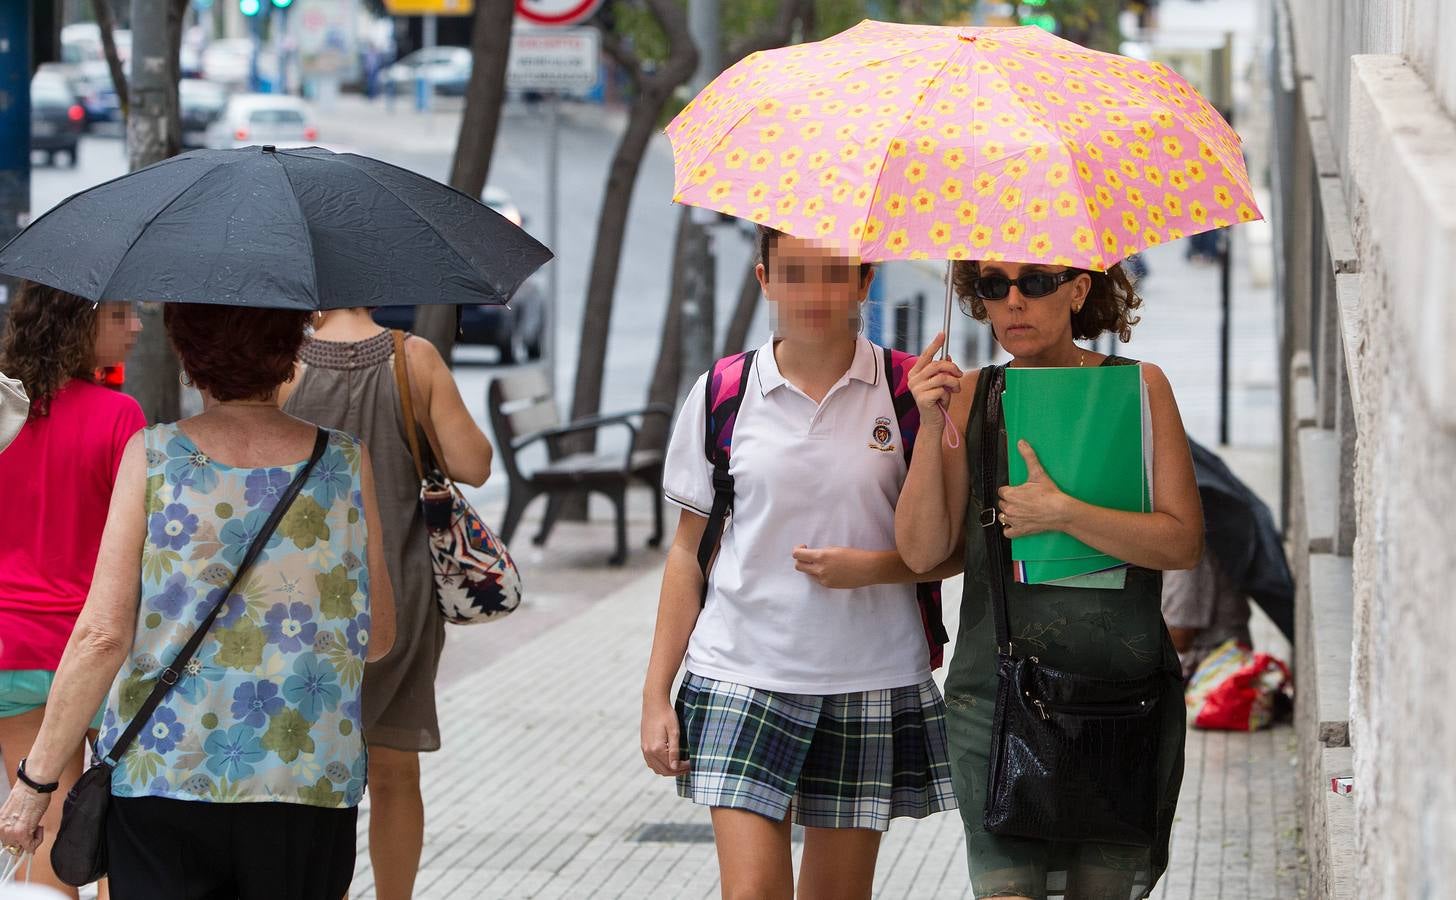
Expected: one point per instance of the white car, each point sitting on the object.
(228, 61)
(276, 119)
(447, 69)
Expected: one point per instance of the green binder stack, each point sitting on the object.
(1092, 432)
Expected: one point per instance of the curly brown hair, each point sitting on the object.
(1109, 305)
(232, 352)
(50, 338)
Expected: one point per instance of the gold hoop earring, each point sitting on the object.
(183, 380)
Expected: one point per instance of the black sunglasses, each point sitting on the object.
(1032, 284)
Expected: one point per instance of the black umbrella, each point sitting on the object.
(1239, 529)
(297, 229)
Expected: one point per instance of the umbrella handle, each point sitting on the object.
(952, 434)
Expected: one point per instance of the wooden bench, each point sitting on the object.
(523, 413)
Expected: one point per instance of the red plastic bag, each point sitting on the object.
(1245, 700)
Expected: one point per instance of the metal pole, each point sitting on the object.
(424, 87)
(1224, 337)
(15, 24)
(553, 188)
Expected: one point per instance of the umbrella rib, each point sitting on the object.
(407, 205)
(307, 232)
(142, 230)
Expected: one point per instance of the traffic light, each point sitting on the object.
(282, 4)
(250, 7)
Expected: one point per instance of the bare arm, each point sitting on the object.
(381, 590)
(1171, 537)
(850, 567)
(930, 514)
(103, 635)
(466, 449)
(677, 615)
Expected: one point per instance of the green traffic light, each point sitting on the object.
(282, 4)
(250, 7)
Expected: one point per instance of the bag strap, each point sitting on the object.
(406, 401)
(720, 413)
(170, 675)
(990, 384)
(411, 424)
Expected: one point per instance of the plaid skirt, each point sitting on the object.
(853, 760)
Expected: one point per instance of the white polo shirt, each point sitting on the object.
(821, 475)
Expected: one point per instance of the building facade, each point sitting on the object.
(1365, 174)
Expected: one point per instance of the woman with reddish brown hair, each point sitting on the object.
(245, 780)
(57, 477)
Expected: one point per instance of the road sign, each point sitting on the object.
(554, 60)
(555, 12)
(429, 7)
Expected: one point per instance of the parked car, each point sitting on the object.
(517, 331)
(447, 68)
(202, 103)
(228, 61)
(498, 200)
(98, 93)
(276, 119)
(57, 118)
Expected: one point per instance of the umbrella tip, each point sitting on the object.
(269, 148)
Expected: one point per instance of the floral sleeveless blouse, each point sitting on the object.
(268, 708)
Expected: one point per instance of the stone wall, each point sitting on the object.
(1368, 161)
(1402, 188)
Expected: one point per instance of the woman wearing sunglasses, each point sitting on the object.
(1037, 313)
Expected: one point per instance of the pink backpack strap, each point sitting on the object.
(897, 373)
(725, 386)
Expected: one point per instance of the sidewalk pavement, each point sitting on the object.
(540, 790)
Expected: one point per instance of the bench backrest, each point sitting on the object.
(520, 404)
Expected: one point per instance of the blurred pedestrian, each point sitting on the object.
(807, 696)
(14, 409)
(1203, 607)
(57, 478)
(953, 499)
(245, 780)
(346, 379)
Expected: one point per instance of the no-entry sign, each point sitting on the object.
(556, 12)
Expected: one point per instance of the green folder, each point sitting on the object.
(1087, 427)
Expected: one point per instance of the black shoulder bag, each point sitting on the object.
(79, 853)
(1072, 757)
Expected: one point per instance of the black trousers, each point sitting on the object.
(163, 849)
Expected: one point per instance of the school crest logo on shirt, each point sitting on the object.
(881, 435)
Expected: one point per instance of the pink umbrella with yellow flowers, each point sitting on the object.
(936, 142)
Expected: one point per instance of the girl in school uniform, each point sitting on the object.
(807, 696)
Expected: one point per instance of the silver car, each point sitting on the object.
(276, 119)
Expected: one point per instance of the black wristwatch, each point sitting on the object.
(32, 784)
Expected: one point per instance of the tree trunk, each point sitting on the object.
(601, 289)
(107, 23)
(153, 133)
(485, 94)
(653, 93)
(669, 379)
(667, 372)
(749, 294)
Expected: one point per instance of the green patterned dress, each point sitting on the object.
(1102, 633)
